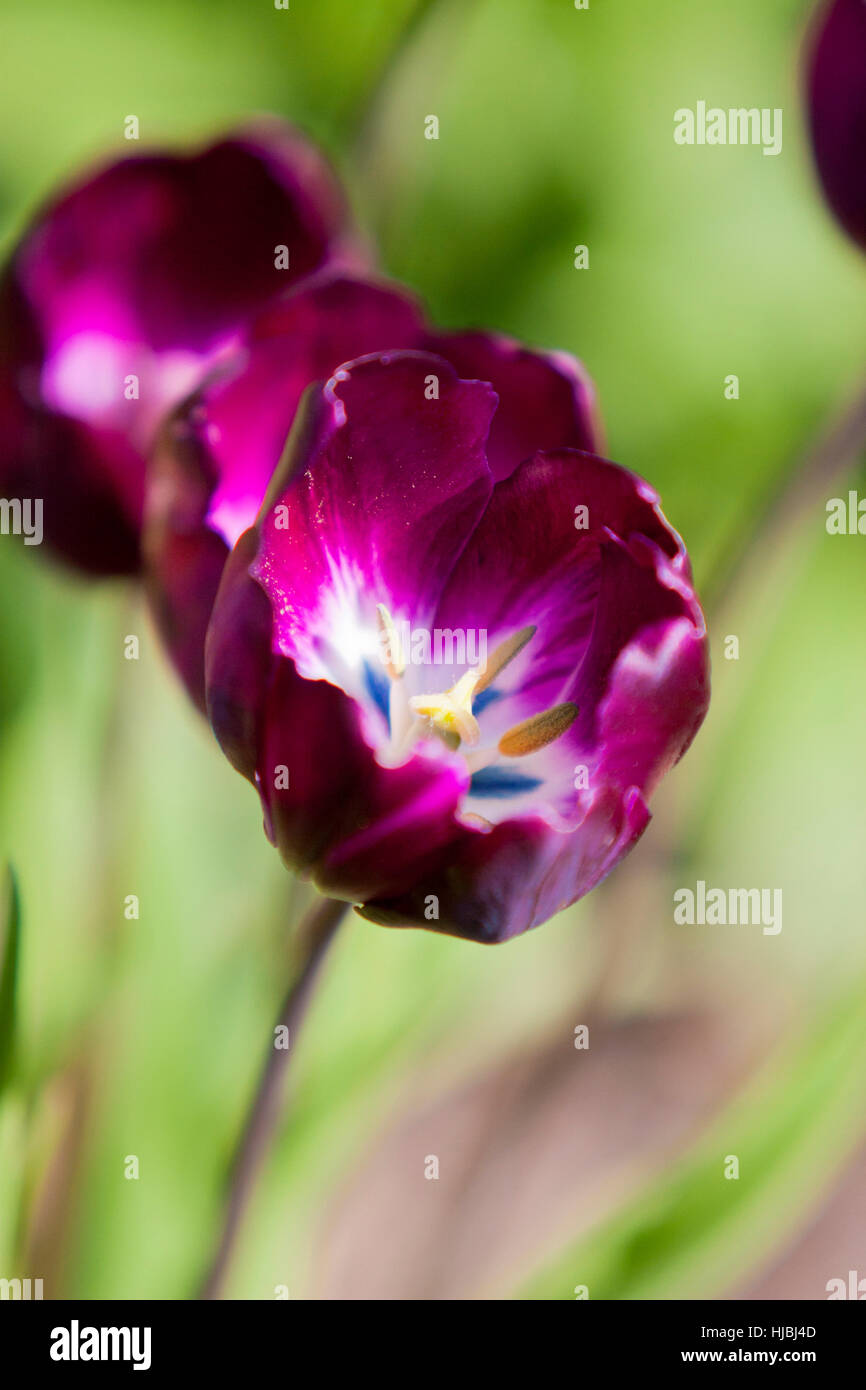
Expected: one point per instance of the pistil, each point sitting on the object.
(448, 714)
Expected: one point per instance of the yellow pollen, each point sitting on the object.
(451, 712)
(537, 731)
(501, 655)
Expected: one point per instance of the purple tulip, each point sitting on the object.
(836, 90)
(215, 457)
(453, 690)
(121, 293)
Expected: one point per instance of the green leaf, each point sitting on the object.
(9, 979)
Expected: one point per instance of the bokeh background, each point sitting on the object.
(558, 1167)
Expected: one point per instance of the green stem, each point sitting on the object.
(316, 933)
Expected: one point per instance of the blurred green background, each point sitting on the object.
(558, 1167)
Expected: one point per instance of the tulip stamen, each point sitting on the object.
(538, 731)
(392, 655)
(502, 654)
(450, 714)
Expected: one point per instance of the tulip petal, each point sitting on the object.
(836, 91)
(300, 338)
(123, 292)
(521, 873)
(214, 459)
(329, 805)
(344, 818)
(546, 400)
(535, 558)
(376, 511)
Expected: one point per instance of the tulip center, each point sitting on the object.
(449, 716)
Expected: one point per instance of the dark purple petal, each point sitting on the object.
(657, 696)
(546, 400)
(382, 485)
(643, 687)
(183, 559)
(146, 270)
(836, 97)
(535, 558)
(518, 875)
(173, 251)
(344, 818)
(379, 510)
(300, 338)
(215, 458)
(239, 660)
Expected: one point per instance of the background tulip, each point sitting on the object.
(836, 96)
(123, 290)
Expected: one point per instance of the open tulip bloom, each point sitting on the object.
(453, 677)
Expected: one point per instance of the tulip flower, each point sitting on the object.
(121, 293)
(454, 687)
(216, 455)
(836, 96)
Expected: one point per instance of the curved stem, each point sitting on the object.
(316, 933)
